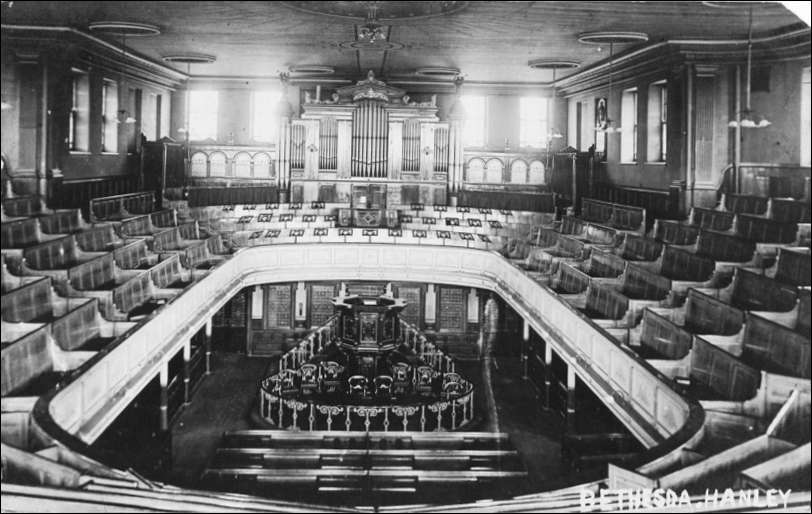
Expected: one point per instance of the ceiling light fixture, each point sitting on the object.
(748, 118)
(608, 126)
(371, 32)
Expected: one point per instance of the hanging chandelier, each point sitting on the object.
(748, 118)
(608, 126)
(371, 32)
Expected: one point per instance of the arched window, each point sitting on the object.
(493, 171)
(263, 167)
(199, 164)
(217, 164)
(537, 173)
(476, 171)
(242, 165)
(518, 172)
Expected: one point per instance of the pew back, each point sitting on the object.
(681, 265)
(721, 372)
(78, 326)
(664, 336)
(28, 303)
(100, 238)
(755, 228)
(133, 293)
(754, 292)
(94, 274)
(605, 302)
(707, 315)
(793, 267)
(787, 351)
(674, 232)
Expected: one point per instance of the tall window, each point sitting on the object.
(628, 126)
(109, 116)
(657, 122)
(473, 131)
(202, 115)
(263, 121)
(533, 126)
(79, 129)
(806, 119)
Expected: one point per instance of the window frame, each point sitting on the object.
(625, 132)
(274, 132)
(77, 121)
(543, 118)
(109, 122)
(483, 126)
(215, 115)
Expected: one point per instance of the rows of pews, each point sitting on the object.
(71, 287)
(317, 222)
(368, 468)
(719, 303)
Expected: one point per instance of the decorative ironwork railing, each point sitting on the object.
(430, 413)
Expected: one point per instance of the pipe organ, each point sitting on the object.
(370, 139)
(369, 134)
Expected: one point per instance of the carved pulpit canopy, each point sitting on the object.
(370, 89)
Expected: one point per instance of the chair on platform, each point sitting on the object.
(357, 386)
(309, 374)
(285, 382)
(452, 390)
(383, 386)
(331, 376)
(402, 379)
(424, 380)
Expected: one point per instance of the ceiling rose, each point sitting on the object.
(124, 28)
(604, 38)
(386, 11)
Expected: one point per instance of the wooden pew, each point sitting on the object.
(787, 210)
(763, 230)
(170, 274)
(100, 238)
(591, 233)
(22, 233)
(209, 253)
(674, 232)
(36, 302)
(635, 247)
(751, 291)
(727, 250)
(607, 307)
(120, 207)
(790, 470)
(135, 255)
(149, 224)
(55, 258)
(176, 238)
(602, 264)
(661, 338)
(24, 206)
(83, 328)
(684, 269)
(743, 204)
(619, 216)
(778, 349)
(792, 267)
(11, 281)
(569, 280)
(63, 222)
(711, 219)
(720, 375)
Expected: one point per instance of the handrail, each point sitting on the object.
(644, 399)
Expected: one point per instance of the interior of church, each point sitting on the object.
(406, 256)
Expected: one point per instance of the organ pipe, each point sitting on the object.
(370, 134)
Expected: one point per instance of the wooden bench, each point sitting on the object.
(763, 230)
(743, 204)
(176, 238)
(727, 250)
(135, 255)
(83, 328)
(684, 269)
(664, 338)
(639, 248)
(751, 291)
(120, 207)
(569, 280)
(36, 302)
(55, 257)
(722, 374)
(787, 210)
(674, 232)
(22, 233)
(607, 307)
(24, 206)
(602, 264)
(777, 348)
(11, 281)
(63, 222)
(25, 358)
(149, 224)
(615, 215)
(711, 219)
(793, 267)
(170, 274)
(100, 238)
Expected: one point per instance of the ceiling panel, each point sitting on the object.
(487, 41)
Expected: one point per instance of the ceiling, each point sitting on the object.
(490, 42)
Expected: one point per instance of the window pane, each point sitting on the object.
(628, 126)
(79, 123)
(110, 116)
(473, 131)
(533, 121)
(202, 115)
(263, 125)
